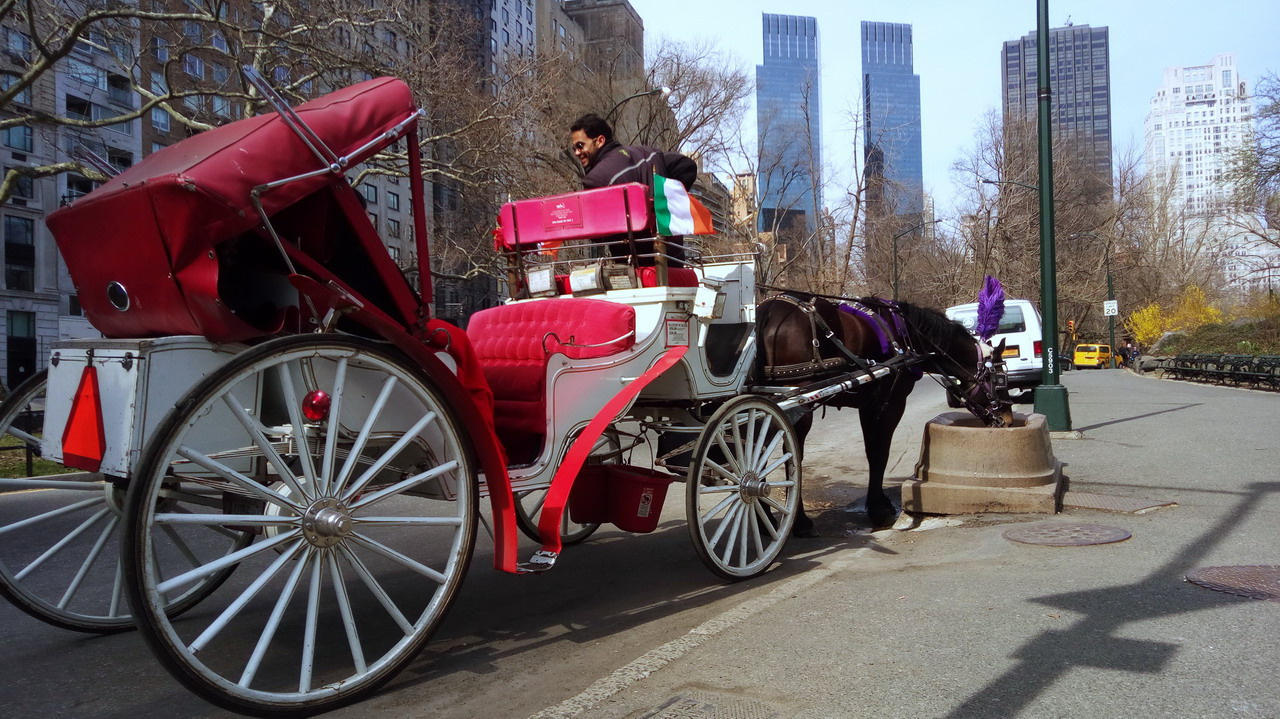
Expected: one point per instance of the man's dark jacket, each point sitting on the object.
(617, 164)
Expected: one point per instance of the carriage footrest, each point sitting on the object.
(541, 561)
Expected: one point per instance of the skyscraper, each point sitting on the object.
(788, 126)
(891, 109)
(1080, 78)
(1199, 115)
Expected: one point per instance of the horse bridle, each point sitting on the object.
(990, 375)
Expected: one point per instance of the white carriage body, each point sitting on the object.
(138, 382)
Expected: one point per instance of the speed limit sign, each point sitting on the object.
(1110, 308)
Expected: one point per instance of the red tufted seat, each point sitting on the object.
(514, 342)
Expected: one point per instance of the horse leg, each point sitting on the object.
(803, 526)
(879, 420)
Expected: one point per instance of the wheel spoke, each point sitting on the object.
(264, 445)
(357, 447)
(720, 507)
(88, 562)
(729, 454)
(766, 454)
(763, 518)
(378, 592)
(768, 470)
(273, 623)
(62, 544)
(409, 483)
(52, 514)
(226, 561)
(395, 556)
(239, 479)
(334, 427)
(757, 451)
(294, 407)
(732, 540)
(27, 439)
(248, 593)
(309, 638)
(247, 520)
(54, 482)
(408, 521)
(735, 478)
(744, 450)
(117, 589)
(729, 518)
(387, 456)
(348, 617)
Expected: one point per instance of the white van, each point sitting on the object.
(1020, 329)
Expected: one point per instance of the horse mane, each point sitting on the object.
(930, 324)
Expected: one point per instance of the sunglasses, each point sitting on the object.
(579, 145)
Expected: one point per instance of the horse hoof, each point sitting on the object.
(883, 520)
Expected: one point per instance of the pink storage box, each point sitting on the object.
(603, 212)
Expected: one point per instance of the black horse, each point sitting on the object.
(798, 344)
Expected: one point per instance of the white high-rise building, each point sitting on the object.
(1198, 117)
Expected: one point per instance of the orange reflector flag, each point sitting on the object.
(84, 440)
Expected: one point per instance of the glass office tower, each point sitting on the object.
(1080, 79)
(891, 110)
(789, 129)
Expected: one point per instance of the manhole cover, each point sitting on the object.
(1067, 535)
(1254, 582)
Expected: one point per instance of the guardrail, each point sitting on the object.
(1254, 371)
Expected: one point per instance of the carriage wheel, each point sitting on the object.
(607, 450)
(346, 464)
(60, 531)
(743, 489)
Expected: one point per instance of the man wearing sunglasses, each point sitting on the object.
(607, 162)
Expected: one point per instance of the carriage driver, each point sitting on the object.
(607, 162)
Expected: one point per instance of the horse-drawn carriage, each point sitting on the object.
(281, 460)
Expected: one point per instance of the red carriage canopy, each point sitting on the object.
(155, 229)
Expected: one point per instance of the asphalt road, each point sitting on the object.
(948, 620)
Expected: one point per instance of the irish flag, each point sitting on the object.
(678, 213)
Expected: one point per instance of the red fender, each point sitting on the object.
(562, 483)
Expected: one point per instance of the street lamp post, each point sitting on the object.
(1111, 292)
(1051, 396)
(663, 91)
(895, 252)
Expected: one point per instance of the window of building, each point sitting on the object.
(193, 66)
(280, 73)
(193, 31)
(73, 306)
(17, 45)
(370, 193)
(159, 120)
(219, 72)
(120, 159)
(23, 97)
(218, 41)
(19, 254)
(221, 106)
(24, 188)
(21, 324)
(373, 217)
(393, 228)
(393, 201)
(19, 138)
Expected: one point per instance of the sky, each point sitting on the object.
(957, 56)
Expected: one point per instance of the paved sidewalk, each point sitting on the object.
(958, 621)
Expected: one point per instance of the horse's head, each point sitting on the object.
(986, 392)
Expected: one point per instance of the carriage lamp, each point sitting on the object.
(315, 406)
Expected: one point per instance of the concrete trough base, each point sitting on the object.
(968, 468)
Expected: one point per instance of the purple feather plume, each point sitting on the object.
(990, 307)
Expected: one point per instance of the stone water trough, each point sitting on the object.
(968, 468)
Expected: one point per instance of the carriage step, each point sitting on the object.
(541, 561)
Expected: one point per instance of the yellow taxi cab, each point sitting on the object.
(1092, 356)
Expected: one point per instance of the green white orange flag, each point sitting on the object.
(678, 212)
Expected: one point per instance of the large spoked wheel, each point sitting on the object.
(743, 489)
(343, 460)
(60, 531)
(607, 450)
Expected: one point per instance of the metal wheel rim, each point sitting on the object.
(741, 509)
(317, 574)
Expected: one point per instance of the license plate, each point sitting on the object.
(1010, 351)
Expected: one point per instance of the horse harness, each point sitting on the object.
(891, 333)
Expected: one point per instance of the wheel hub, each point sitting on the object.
(327, 522)
(754, 486)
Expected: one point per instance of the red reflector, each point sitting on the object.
(1039, 347)
(83, 439)
(315, 406)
